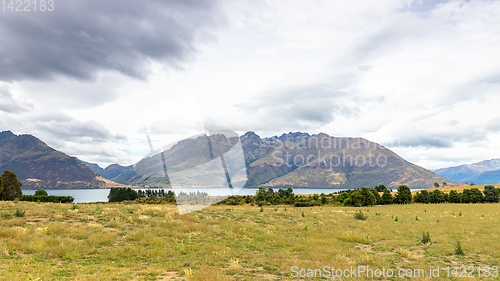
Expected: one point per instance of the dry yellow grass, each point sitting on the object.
(153, 242)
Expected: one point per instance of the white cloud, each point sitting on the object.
(422, 74)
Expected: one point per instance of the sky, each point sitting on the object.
(94, 79)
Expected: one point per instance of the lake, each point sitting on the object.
(101, 195)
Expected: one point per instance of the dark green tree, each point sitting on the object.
(324, 200)
(422, 197)
(403, 195)
(436, 184)
(370, 198)
(465, 196)
(380, 188)
(387, 197)
(491, 194)
(342, 197)
(11, 186)
(454, 197)
(361, 197)
(476, 196)
(437, 196)
(41, 192)
(378, 199)
(118, 194)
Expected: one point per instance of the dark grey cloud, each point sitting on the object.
(82, 37)
(9, 104)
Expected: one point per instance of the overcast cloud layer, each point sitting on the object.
(82, 37)
(92, 77)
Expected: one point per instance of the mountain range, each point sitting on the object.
(484, 172)
(290, 160)
(293, 159)
(39, 166)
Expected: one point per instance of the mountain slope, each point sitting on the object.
(94, 166)
(489, 177)
(39, 166)
(293, 159)
(325, 161)
(471, 172)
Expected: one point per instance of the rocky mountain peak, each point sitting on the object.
(6, 135)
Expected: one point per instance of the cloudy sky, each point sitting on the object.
(93, 78)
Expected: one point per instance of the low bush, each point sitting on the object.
(303, 204)
(20, 213)
(458, 247)
(359, 215)
(45, 198)
(426, 237)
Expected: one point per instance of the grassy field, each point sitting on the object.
(153, 242)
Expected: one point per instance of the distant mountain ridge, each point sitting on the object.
(289, 160)
(484, 172)
(276, 162)
(39, 166)
(94, 166)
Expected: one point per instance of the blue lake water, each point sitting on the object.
(101, 195)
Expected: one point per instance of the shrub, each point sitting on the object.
(324, 200)
(458, 247)
(19, 213)
(6, 215)
(426, 237)
(303, 204)
(359, 215)
(41, 192)
(50, 198)
(342, 197)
